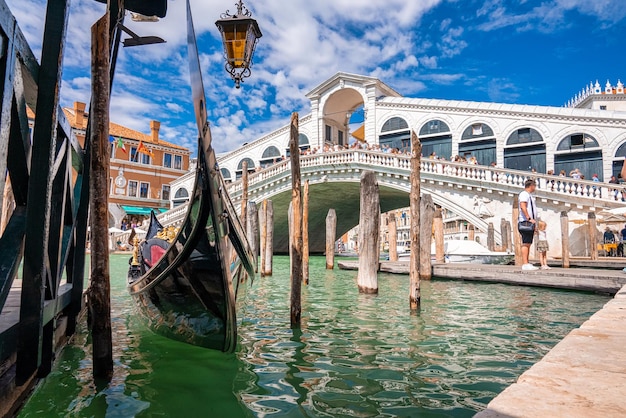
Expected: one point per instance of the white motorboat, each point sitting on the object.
(457, 251)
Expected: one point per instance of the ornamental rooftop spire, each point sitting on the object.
(594, 94)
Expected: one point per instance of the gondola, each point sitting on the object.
(187, 288)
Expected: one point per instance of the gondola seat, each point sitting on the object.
(153, 249)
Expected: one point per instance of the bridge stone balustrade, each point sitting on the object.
(478, 194)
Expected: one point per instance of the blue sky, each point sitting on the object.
(524, 51)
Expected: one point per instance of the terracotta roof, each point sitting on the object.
(117, 130)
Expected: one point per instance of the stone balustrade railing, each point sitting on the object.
(549, 186)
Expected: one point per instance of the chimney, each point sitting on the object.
(79, 112)
(154, 130)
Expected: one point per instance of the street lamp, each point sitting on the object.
(240, 34)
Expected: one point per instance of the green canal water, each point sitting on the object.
(356, 355)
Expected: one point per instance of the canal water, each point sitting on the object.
(356, 355)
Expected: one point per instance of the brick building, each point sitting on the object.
(141, 169)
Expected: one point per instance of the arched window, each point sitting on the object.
(395, 134)
(180, 197)
(303, 141)
(436, 137)
(525, 150)
(226, 174)
(479, 141)
(270, 156)
(181, 193)
(618, 160)
(579, 151)
(394, 124)
(239, 171)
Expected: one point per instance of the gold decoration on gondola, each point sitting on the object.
(135, 261)
(167, 234)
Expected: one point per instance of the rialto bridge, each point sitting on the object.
(478, 194)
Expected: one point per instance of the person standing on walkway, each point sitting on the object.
(542, 245)
(527, 221)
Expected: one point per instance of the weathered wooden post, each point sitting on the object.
(593, 235)
(517, 239)
(331, 231)
(369, 229)
(471, 232)
(262, 235)
(414, 197)
(269, 238)
(252, 230)
(427, 212)
(244, 188)
(439, 244)
(305, 232)
(505, 237)
(509, 236)
(393, 237)
(98, 295)
(296, 225)
(491, 238)
(564, 240)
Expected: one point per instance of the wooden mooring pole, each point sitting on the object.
(305, 232)
(262, 235)
(296, 225)
(98, 295)
(517, 239)
(491, 237)
(369, 231)
(269, 242)
(593, 235)
(414, 199)
(439, 244)
(244, 189)
(393, 237)
(427, 212)
(506, 236)
(252, 231)
(564, 240)
(331, 232)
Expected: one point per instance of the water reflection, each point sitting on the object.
(355, 355)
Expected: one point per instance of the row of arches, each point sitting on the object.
(271, 155)
(525, 148)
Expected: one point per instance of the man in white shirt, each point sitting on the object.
(527, 214)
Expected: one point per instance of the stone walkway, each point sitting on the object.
(582, 376)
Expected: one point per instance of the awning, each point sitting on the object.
(136, 210)
(359, 133)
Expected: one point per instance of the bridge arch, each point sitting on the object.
(525, 149)
(226, 174)
(181, 197)
(618, 155)
(582, 151)
(239, 171)
(395, 133)
(336, 110)
(436, 136)
(270, 156)
(478, 139)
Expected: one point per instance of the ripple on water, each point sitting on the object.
(355, 355)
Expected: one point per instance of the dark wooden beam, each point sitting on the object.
(39, 192)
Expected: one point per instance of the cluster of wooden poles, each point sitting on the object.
(260, 221)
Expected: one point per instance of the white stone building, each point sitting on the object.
(589, 133)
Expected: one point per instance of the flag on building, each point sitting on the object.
(120, 144)
(111, 138)
(144, 150)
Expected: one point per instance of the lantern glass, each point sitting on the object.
(240, 34)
